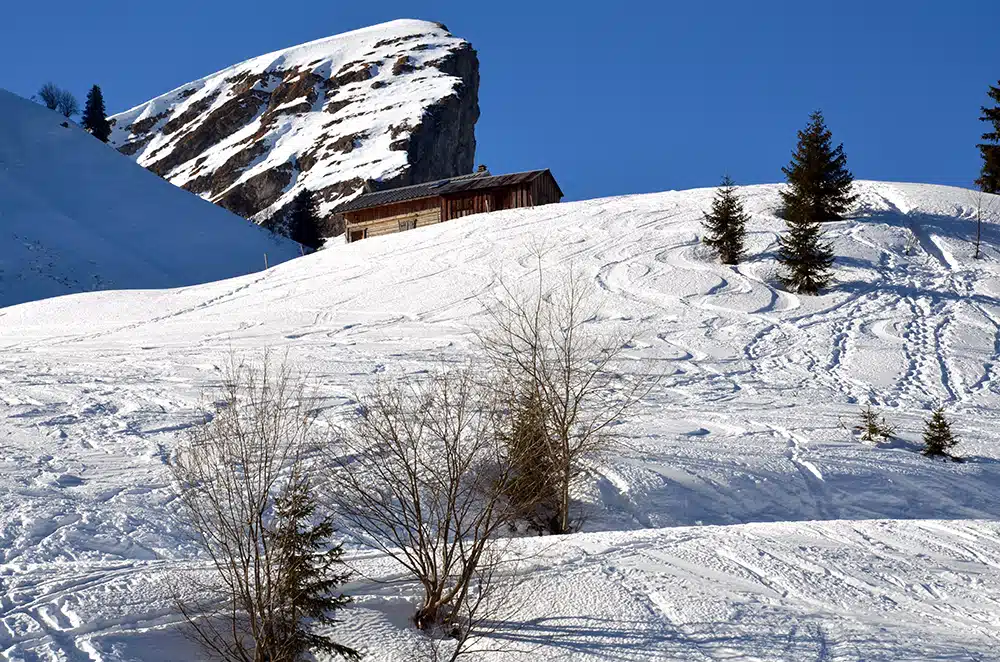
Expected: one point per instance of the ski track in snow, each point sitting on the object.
(739, 520)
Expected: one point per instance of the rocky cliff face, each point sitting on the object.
(393, 104)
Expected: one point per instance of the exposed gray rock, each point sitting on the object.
(390, 105)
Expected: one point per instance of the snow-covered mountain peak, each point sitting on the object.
(394, 103)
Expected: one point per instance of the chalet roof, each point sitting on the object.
(475, 182)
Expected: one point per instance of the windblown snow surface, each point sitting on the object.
(739, 521)
(77, 216)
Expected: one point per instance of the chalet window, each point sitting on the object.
(407, 225)
(358, 234)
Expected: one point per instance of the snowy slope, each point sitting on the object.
(393, 102)
(740, 521)
(76, 216)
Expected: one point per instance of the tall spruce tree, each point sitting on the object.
(725, 224)
(95, 118)
(312, 573)
(819, 191)
(938, 438)
(989, 180)
(304, 222)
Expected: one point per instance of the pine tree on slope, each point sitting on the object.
(819, 191)
(938, 438)
(308, 590)
(989, 181)
(725, 225)
(303, 221)
(95, 118)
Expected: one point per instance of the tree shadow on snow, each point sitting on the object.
(799, 637)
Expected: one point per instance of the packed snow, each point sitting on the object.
(740, 519)
(77, 216)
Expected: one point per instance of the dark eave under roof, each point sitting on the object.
(460, 184)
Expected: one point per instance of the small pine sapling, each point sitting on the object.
(313, 572)
(873, 426)
(938, 438)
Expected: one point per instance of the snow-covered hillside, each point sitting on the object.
(77, 216)
(395, 103)
(741, 520)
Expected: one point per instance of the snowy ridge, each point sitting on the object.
(76, 216)
(740, 521)
(325, 116)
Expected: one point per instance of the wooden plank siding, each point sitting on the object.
(388, 219)
(512, 192)
(544, 191)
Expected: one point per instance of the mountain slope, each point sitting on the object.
(76, 216)
(741, 519)
(395, 103)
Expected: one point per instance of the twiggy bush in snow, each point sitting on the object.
(246, 489)
(419, 475)
(563, 377)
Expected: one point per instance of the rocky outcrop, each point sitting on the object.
(390, 105)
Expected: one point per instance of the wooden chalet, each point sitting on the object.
(395, 210)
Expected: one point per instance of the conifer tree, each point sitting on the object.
(938, 438)
(725, 225)
(873, 426)
(311, 575)
(94, 117)
(989, 181)
(304, 222)
(819, 191)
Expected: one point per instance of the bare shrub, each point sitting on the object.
(246, 488)
(559, 373)
(983, 207)
(67, 105)
(50, 94)
(420, 476)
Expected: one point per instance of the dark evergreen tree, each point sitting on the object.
(95, 118)
(533, 491)
(989, 181)
(725, 225)
(312, 573)
(938, 438)
(303, 221)
(819, 191)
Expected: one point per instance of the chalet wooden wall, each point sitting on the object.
(544, 191)
(510, 192)
(387, 219)
(540, 192)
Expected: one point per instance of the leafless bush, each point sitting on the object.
(558, 372)
(983, 206)
(56, 98)
(67, 105)
(420, 476)
(50, 94)
(246, 489)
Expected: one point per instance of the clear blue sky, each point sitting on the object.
(614, 97)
